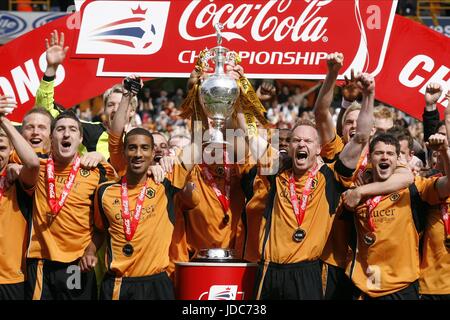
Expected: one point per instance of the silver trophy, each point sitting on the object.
(219, 91)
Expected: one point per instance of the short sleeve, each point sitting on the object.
(427, 189)
(342, 174)
(178, 176)
(330, 151)
(117, 159)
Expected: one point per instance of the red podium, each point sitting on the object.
(214, 281)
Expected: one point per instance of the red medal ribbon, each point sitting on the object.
(300, 209)
(130, 223)
(56, 205)
(372, 203)
(223, 198)
(445, 219)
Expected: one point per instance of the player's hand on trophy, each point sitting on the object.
(198, 75)
(236, 71)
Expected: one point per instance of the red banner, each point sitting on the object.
(282, 39)
(416, 56)
(23, 64)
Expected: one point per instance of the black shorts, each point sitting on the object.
(435, 297)
(50, 280)
(411, 292)
(15, 291)
(336, 283)
(154, 287)
(293, 281)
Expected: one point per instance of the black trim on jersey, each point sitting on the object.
(342, 170)
(48, 78)
(327, 160)
(170, 192)
(25, 203)
(42, 155)
(419, 208)
(102, 171)
(333, 189)
(91, 134)
(268, 212)
(102, 178)
(245, 225)
(336, 155)
(247, 181)
(100, 191)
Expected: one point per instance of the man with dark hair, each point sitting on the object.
(336, 252)
(391, 224)
(15, 208)
(62, 241)
(138, 216)
(94, 148)
(284, 140)
(407, 153)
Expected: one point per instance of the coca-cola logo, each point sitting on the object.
(263, 21)
(275, 39)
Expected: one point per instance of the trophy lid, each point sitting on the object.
(216, 255)
(219, 28)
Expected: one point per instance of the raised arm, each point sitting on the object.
(400, 179)
(30, 170)
(430, 115)
(352, 151)
(324, 120)
(55, 54)
(350, 93)
(122, 115)
(438, 142)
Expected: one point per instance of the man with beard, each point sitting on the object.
(62, 238)
(298, 204)
(385, 265)
(15, 207)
